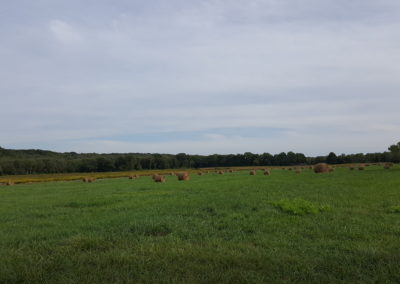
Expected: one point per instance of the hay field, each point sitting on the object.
(286, 227)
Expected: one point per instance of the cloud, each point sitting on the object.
(202, 76)
(64, 32)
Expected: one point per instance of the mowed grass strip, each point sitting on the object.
(210, 229)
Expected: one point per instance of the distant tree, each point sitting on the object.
(249, 158)
(301, 158)
(342, 159)
(395, 148)
(291, 158)
(104, 164)
(332, 158)
(320, 159)
(280, 159)
(266, 159)
(183, 160)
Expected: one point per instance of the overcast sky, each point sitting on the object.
(201, 77)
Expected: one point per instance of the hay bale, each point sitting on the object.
(267, 172)
(200, 173)
(159, 178)
(321, 168)
(253, 172)
(331, 169)
(183, 176)
(361, 167)
(9, 183)
(221, 172)
(298, 171)
(388, 166)
(89, 179)
(230, 171)
(92, 179)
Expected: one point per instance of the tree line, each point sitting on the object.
(17, 162)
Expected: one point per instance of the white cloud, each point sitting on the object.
(314, 69)
(64, 32)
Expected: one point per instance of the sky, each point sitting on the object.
(200, 77)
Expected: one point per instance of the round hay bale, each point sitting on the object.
(92, 179)
(253, 172)
(267, 172)
(9, 183)
(388, 166)
(220, 172)
(159, 178)
(183, 176)
(85, 179)
(361, 168)
(321, 168)
(200, 173)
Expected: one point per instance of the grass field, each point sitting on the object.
(233, 228)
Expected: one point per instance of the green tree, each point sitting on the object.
(395, 148)
(332, 158)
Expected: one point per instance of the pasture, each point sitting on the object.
(286, 227)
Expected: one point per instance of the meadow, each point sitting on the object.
(287, 227)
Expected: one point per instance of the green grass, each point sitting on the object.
(232, 228)
(299, 206)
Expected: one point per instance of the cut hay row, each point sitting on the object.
(26, 179)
